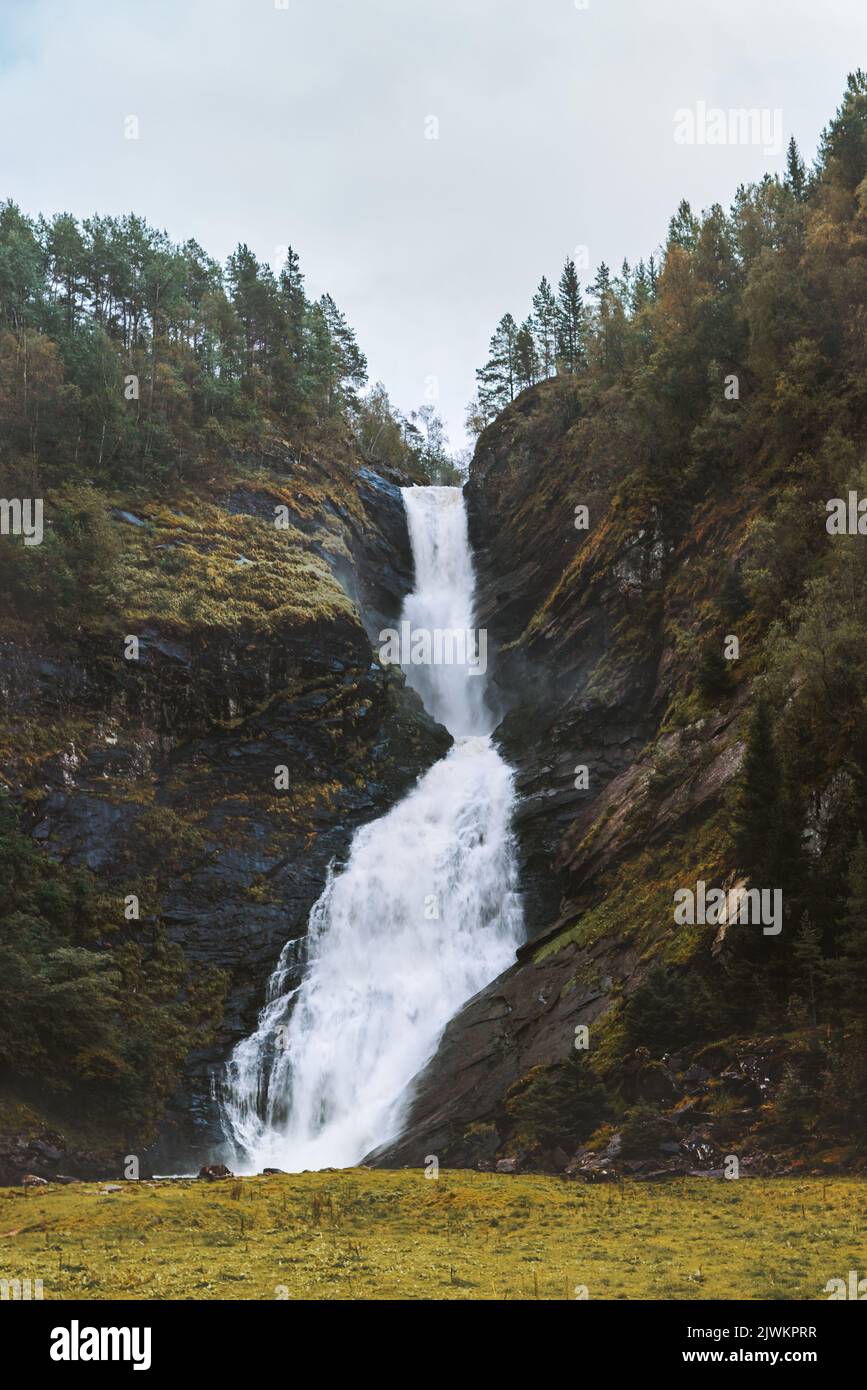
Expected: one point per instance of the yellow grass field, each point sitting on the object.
(360, 1234)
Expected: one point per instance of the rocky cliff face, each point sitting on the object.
(162, 775)
(592, 670)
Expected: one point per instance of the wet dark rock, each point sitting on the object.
(194, 731)
(213, 1172)
(46, 1151)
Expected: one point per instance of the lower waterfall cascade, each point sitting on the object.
(424, 913)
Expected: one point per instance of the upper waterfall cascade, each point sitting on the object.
(424, 913)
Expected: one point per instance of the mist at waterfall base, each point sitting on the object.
(422, 916)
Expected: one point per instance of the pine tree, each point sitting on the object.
(250, 284)
(498, 379)
(288, 357)
(683, 228)
(526, 356)
(65, 248)
(545, 327)
(610, 321)
(623, 283)
(796, 174)
(843, 149)
(321, 365)
(571, 320)
(601, 287)
(349, 360)
(641, 288)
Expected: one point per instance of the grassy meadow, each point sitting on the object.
(360, 1234)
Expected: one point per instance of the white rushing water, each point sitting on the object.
(423, 915)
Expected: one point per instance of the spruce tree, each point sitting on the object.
(601, 287)
(796, 174)
(545, 327)
(610, 321)
(289, 354)
(641, 289)
(571, 320)
(683, 228)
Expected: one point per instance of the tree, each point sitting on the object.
(714, 677)
(796, 174)
(526, 356)
(350, 362)
(545, 327)
(642, 292)
(21, 267)
(571, 320)
(811, 964)
(253, 292)
(289, 357)
(65, 247)
(683, 228)
(757, 795)
(475, 417)
(497, 380)
(610, 322)
(601, 287)
(433, 451)
(843, 148)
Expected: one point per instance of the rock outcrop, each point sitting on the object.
(587, 674)
(217, 775)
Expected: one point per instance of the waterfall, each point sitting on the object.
(422, 916)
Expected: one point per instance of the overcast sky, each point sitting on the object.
(308, 124)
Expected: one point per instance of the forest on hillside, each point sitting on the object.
(126, 358)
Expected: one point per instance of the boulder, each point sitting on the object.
(212, 1172)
